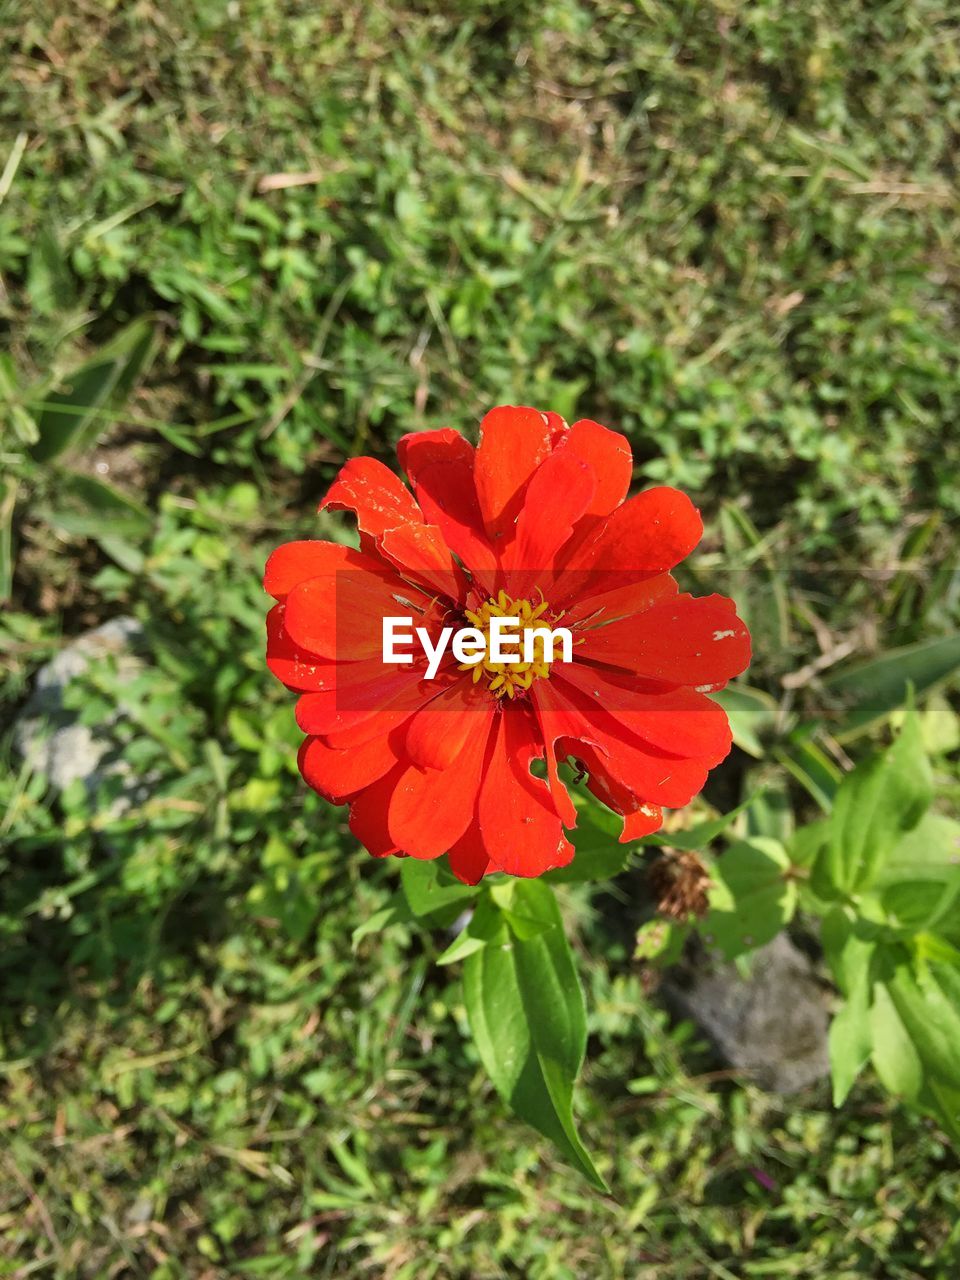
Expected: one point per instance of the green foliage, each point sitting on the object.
(871, 690)
(57, 427)
(527, 1015)
(883, 873)
(753, 896)
(875, 805)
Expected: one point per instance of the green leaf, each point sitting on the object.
(850, 1044)
(8, 498)
(763, 601)
(878, 802)
(769, 809)
(944, 1101)
(661, 940)
(11, 410)
(919, 904)
(526, 1011)
(599, 855)
(430, 888)
(930, 851)
(395, 912)
(807, 842)
(97, 509)
(848, 946)
(482, 927)
(752, 715)
(124, 553)
(752, 896)
(928, 1004)
(74, 418)
(812, 768)
(894, 1057)
(49, 282)
(871, 690)
(700, 836)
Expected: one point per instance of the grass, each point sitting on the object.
(728, 230)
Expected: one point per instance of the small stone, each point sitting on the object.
(49, 735)
(772, 1026)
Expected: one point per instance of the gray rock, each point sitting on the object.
(772, 1026)
(48, 735)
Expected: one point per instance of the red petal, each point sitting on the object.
(551, 730)
(559, 493)
(679, 721)
(368, 814)
(556, 425)
(468, 857)
(648, 535)
(684, 641)
(295, 667)
(295, 562)
(639, 817)
(340, 615)
(608, 455)
(432, 808)
(513, 442)
(641, 822)
(405, 703)
(437, 734)
(421, 555)
(595, 610)
(356, 710)
(440, 466)
(646, 773)
(337, 775)
(518, 821)
(378, 498)
(421, 449)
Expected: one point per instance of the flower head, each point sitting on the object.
(535, 525)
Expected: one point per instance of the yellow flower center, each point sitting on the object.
(510, 679)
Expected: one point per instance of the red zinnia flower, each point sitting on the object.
(533, 523)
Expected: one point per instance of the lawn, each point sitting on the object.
(729, 231)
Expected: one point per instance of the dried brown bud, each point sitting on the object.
(679, 882)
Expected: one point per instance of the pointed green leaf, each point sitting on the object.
(849, 1044)
(876, 804)
(700, 836)
(8, 498)
(930, 851)
(93, 508)
(482, 927)
(752, 896)
(871, 690)
(49, 282)
(848, 947)
(807, 842)
(915, 905)
(395, 912)
(928, 1004)
(944, 1101)
(526, 1011)
(812, 768)
(752, 715)
(430, 887)
(74, 417)
(895, 1059)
